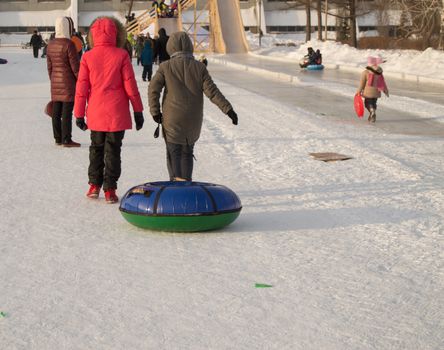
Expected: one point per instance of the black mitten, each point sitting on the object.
(158, 118)
(80, 122)
(233, 116)
(138, 118)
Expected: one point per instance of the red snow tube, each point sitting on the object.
(359, 105)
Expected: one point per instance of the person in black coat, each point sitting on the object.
(36, 43)
(160, 44)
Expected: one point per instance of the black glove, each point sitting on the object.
(233, 116)
(138, 118)
(158, 118)
(80, 122)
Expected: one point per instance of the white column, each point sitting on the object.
(75, 13)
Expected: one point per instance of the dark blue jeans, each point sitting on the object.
(180, 160)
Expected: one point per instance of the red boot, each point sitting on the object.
(110, 196)
(94, 191)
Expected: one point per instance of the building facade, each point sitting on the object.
(274, 16)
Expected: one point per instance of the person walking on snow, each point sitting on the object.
(146, 58)
(184, 81)
(371, 84)
(36, 42)
(160, 47)
(63, 69)
(107, 84)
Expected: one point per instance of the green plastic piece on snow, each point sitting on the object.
(3, 314)
(262, 285)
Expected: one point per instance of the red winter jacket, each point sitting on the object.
(106, 81)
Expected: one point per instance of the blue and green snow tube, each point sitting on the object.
(180, 206)
(315, 67)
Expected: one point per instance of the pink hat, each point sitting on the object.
(372, 61)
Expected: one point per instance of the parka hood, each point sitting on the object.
(64, 27)
(106, 31)
(179, 42)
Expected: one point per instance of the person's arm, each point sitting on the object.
(73, 58)
(49, 65)
(213, 93)
(130, 85)
(154, 90)
(362, 82)
(83, 87)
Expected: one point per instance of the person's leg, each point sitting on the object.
(67, 121)
(96, 158)
(174, 155)
(370, 104)
(35, 51)
(57, 121)
(187, 162)
(145, 71)
(150, 72)
(113, 146)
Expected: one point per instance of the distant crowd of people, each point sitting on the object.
(164, 10)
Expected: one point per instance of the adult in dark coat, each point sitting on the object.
(63, 69)
(184, 81)
(36, 42)
(160, 47)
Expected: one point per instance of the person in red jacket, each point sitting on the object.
(107, 84)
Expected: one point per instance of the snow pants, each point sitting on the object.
(180, 160)
(62, 121)
(370, 103)
(147, 70)
(104, 158)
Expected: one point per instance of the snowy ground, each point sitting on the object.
(353, 250)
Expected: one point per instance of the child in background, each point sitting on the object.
(106, 83)
(371, 84)
(147, 60)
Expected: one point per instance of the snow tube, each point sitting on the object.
(315, 67)
(180, 206)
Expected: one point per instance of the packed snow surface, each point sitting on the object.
(353, 250)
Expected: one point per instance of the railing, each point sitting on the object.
(146, 18)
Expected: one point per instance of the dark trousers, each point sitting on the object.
(138, 60)
(104, 158)
(62, 121)
(180, 160)
(370, 103)
(35, 51)
(147, 70)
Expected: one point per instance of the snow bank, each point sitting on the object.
(428, 63)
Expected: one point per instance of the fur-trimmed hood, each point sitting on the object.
(106, 31)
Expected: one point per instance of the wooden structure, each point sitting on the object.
(216, 27)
